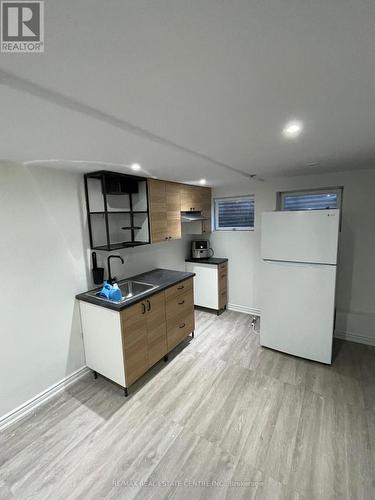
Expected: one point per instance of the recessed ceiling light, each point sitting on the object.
(313, 164)
(292, 129)
(202, 181)
(135, 166)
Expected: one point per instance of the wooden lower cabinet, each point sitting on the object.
(179, 328)
(156, 328)
(144, 336)
(179, 312)
(153, 327)
(135, 342)
(123, 345)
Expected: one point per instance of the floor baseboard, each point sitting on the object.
(31, 404)
(353, 337)
(244, 309)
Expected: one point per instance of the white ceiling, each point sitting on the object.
(209, 85)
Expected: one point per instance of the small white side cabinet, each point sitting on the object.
(210, 284)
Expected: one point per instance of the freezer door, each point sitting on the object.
(303, 236)
(297, 309)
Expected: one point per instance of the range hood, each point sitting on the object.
(192, 216)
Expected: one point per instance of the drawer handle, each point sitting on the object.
(180, 287)
(143, 308)
(223, 275)
(183, 325)
(148, 305)
(180, 303)
(223, 292)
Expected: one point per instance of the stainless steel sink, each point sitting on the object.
(129, 289)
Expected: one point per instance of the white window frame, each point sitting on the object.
(336, 190)
(231, 198)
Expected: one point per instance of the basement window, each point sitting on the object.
(316, 199)
(234, 214)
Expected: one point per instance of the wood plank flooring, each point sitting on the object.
(223, 419)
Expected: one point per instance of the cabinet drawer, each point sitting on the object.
(180, 305)
(179, 328)
(223, 268)
(222, 281)
(179, 289)
(223, 298)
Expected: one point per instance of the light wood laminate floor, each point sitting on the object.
(224, 418)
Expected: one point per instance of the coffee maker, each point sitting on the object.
(201, 249)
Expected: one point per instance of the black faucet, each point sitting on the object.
(113, 280)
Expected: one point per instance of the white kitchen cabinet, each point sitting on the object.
(102, 337)
(210, 284)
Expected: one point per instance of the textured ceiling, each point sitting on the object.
(195, 89)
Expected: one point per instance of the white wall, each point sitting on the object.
(356, 272)
(45, 262)
(42, 267)
(168, 255)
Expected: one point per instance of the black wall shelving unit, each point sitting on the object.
(129, 221)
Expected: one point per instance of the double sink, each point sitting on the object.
(129, 289)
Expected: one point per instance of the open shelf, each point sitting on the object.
(110, 193)
(118, 246)
(111, 212)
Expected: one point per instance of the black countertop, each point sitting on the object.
(210, 260)
(163, 278)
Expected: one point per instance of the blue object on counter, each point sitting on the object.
(115, 293)
(105, 291)
(110, 292)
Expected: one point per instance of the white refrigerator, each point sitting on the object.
(298, 281)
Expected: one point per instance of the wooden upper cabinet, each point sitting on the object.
(167, 200)
(165, 210)
(158, 210)
(195, 198)
(191, 199)
(206, 209)
(173, 195)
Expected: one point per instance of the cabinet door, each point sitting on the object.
(156, 328)
(173, 194)
(206, 284)
(206, 209)
(135, 341)
(197, 198)
(158, 210)
(186, 198)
